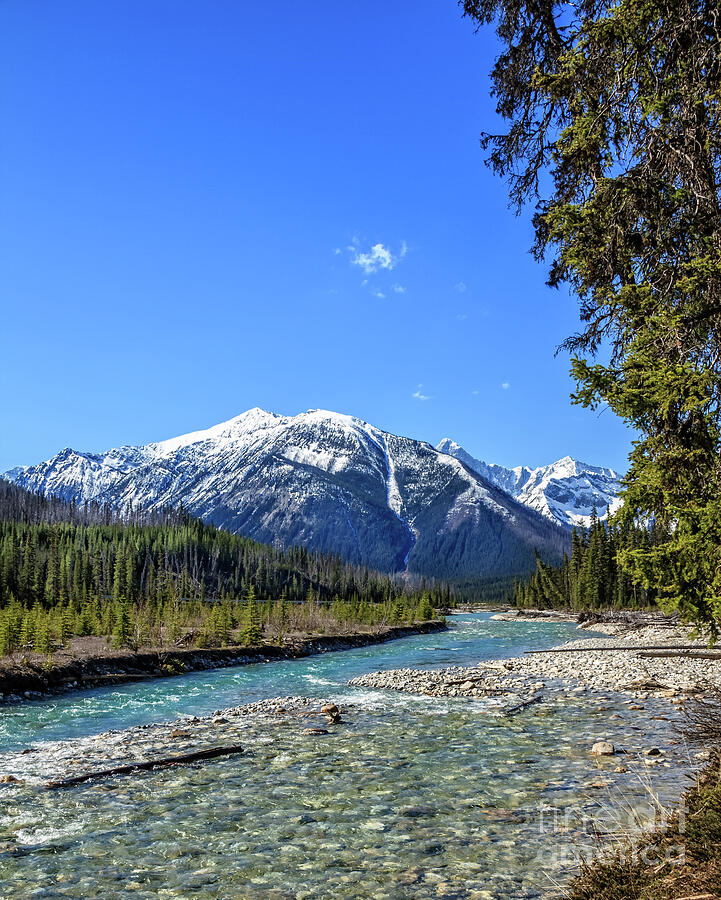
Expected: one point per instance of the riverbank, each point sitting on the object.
(682, 859)
(650, 660)
(652, 664)
(403, 796)
(34, 676)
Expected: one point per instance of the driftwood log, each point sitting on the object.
(195, 756)
(682, 654)
(520, 706)
(616, 648)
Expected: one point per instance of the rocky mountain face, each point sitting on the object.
(565, 491)
(328, 481)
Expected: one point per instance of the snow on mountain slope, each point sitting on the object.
(328, 481)
(565, 491)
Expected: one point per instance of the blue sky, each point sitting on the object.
(209, 206)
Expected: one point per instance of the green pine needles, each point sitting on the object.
(592, 578)
(614, 134)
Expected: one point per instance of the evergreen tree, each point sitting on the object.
(614, 134)
(122, 630)
(252, 631)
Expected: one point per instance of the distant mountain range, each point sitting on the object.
(334, 483)
(566, 490)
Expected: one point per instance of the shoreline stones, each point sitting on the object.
(332, 713)
(58, 760)
(575, 667)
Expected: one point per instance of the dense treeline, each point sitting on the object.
(148, 577)
(20, 505)
(484, 590)
(591, 578)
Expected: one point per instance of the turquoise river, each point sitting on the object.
(409, 797)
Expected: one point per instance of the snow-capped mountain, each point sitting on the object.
(324, 480)
(565, 491)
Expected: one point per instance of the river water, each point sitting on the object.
(410, 797)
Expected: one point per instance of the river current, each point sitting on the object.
(410, 797)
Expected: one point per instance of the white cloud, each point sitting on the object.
(461, 287)
(399, 289)
(380, 295)
(505, 385)
(378, 257)
(337, 251)
(475, 393)
(462, 316)
(418, 395)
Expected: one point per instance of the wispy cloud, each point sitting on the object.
(378, 257)
(399, 289)
(506, 385)
(419, 395)
(462, 316)
(461, 287)
(337, 251)
(379, 294)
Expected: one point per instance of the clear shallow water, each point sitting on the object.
(472, 638)
(410, 797)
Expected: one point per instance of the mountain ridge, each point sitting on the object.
(566, 490)
(325, 480)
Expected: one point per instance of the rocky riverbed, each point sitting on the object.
(599, 664)
(395, 795)
(57, 760)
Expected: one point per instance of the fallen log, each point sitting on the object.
(520, 706)
(684, 654)
(617, 648)
(195, 756)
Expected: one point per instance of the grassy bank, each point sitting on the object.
(91, 662)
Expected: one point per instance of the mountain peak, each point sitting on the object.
(329, 415)
(249, 420)
(566, 490)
